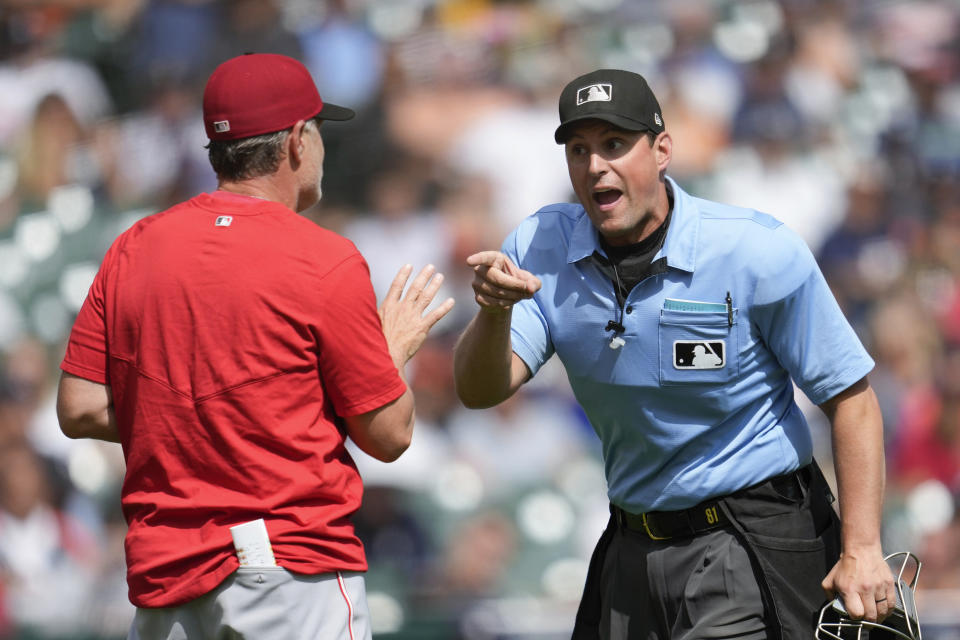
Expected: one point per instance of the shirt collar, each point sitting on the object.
(679, 247)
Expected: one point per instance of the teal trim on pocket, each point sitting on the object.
(674, 304)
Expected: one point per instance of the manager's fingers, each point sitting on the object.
(428, 292)
(399, 282)
(420, 282)
(441, 310)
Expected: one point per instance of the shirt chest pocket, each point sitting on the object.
(698, 347)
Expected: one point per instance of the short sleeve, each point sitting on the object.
(529, 331)
(358, 373)
(86, 354)
(803, 325)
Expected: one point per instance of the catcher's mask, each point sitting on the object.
(902, 622)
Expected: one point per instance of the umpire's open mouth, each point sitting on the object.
(607, 197)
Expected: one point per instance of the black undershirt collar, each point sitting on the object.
(626, 266)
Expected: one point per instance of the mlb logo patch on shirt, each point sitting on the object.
(699, 354)
(224, 221)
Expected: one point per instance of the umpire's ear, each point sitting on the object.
(663, 150)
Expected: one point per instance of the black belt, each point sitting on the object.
(706, 516)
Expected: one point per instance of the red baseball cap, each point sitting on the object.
(259, 93)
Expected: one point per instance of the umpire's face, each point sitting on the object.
(618, 176)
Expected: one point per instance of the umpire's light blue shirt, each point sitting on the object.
(689, 407)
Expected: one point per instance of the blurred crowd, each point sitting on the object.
(840, 117)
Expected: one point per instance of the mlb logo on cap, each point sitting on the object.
(221, 126)
(595, 93)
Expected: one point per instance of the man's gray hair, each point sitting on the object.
(236, 160)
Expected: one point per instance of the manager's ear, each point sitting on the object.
(296, 144)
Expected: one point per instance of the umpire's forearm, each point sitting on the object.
(857, 428)
(482, 360)
(860, 578)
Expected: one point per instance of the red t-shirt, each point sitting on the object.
(233, 332)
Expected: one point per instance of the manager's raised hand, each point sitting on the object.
(498, 283)
(405, 324)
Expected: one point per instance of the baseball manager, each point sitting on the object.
(231, 346)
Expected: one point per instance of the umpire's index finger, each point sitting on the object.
(485, 258)
(504, 280)
(498, 270)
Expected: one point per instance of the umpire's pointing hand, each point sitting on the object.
(402, 316)
(498, 283)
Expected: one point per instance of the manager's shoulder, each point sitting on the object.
(154, 223)
(327, 245)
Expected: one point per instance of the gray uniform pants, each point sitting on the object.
(265, 603)
(700, 587)
(756, 577)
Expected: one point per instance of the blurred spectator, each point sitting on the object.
(512, 147)
(156, 156)
(252, 26)
(400, 224)
(29, 379)
(851, 254)
(53, 152)
(475, 559)
(174, 42)
(345, 57)
(31, 72)
(825, 64)
(779, 169)
(522, 443)
(927, 444)
(395, 539)
(903, 346)
(941, 568)
(45, 555)
(465, 202)
(104, 36)
(14, 412)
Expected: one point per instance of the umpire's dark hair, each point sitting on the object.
(246, 158)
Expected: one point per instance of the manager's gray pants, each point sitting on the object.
(265, 603)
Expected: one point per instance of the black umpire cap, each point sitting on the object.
(622, 98)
